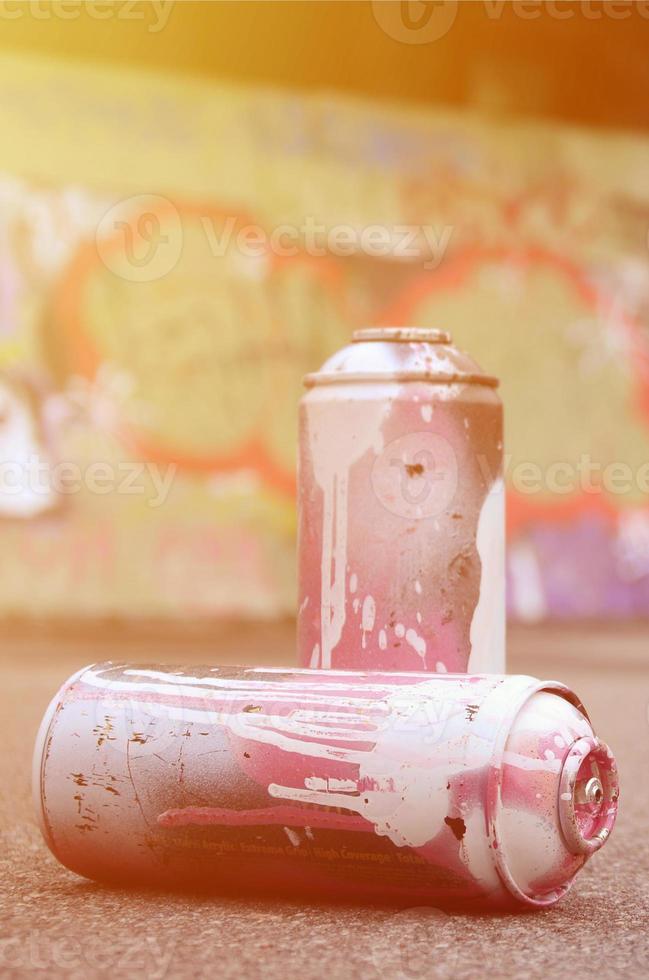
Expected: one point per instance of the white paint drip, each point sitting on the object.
(383, 639)
(331, 784)
(332, 457)
(235, 692)
(417, 642)
(368, 617)
(398, 766)
(475, 853)
(426, 412)
(488, 623)
(529, 596)
(418, 587)
(532, 847)
(400, 630)
(407, 803)
(315, 782)
(353, 582)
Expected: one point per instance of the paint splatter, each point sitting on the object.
(293, 836)
(417, 642)
(368, 616)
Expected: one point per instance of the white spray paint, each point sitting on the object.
(488, 623)
(368, 616)
(541, 851)
(401, 750)
(475, 853)
(334, 447)
(417, 642)
(407, 803)
(528, 597)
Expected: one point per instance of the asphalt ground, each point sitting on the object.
(55, 924)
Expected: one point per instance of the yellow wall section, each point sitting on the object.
(547, 224)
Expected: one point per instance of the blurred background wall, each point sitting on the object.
(200, 201)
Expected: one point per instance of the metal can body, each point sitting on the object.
(401, 501)
(450, 789)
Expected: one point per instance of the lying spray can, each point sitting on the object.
(401, 509)
(407, 787)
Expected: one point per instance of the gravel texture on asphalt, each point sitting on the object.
(57, 925)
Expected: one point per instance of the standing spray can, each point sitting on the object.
(401, 508)
(480, 791)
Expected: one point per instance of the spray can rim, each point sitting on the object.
(588, 795)
(572, 829)
(400, 354)
(396, 335)
(333, 377)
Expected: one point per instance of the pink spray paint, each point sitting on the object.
(470, 790)
(401, 509)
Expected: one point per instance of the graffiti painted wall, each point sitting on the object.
(175, 255)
